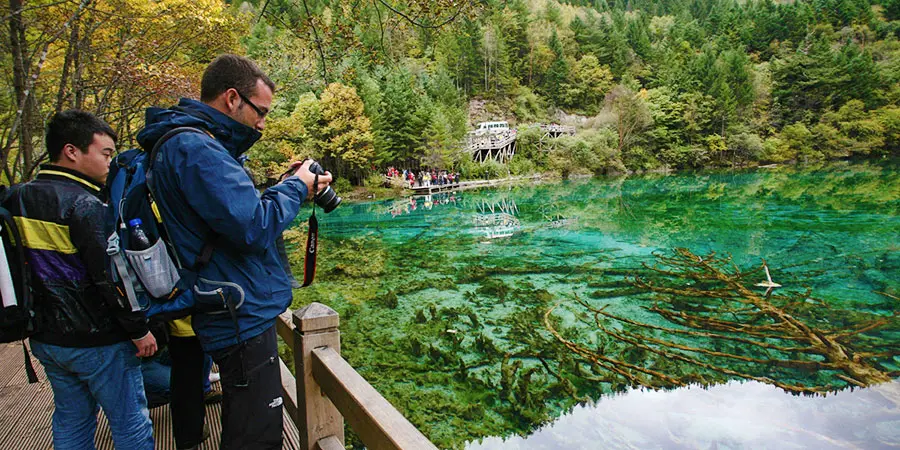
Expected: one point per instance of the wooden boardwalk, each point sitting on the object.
(463, 185)
(26, 411)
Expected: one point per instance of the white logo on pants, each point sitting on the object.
(276, 402)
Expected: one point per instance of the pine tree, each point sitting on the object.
(558, 72)
(399, 129)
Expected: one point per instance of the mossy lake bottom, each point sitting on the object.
(637, 312)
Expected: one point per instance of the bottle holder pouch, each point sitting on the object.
(154, 268)
(214, 297)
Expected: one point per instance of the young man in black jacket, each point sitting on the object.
(88, 342)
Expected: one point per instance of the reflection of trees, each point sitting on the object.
(704, 316)
(555, 216)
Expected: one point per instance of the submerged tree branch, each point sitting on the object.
(715, 314)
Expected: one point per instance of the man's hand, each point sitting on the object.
(146, 346)
(309, 178)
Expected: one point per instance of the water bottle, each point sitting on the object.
(139, 239)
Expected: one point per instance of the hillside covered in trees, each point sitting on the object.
(365, 84)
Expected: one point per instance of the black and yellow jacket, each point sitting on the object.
(60, 215)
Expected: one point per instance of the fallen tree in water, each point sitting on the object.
(702, 314)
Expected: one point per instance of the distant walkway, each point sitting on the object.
(26, 410)
(463, 185)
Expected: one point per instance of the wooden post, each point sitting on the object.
(316, 325)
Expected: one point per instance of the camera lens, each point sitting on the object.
(328, 200)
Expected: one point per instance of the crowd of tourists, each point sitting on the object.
(424, 177)
(90, 333)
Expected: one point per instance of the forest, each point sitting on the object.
(363, 85)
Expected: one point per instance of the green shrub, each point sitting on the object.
(374, 180)
(684, 156)
(527, 145)
(746, 146)
(571, 154)
(487, 170)
(527, 106)
(637, 157)
(799, 140)
(520, 165)
(342, 185)
(776, 150)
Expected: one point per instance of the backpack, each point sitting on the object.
(149, 280)
(16, 309)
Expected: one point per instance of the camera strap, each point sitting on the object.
(312, 242)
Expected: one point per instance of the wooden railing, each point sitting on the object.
(327, 389)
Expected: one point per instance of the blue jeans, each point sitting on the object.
(81, 379)
(156, 381)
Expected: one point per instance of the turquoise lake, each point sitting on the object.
(625, 312)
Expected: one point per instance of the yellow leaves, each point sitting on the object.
(347, 131)
(715, 143)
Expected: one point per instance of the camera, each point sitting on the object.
(327, 199)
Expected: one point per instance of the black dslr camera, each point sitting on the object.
(327, 199)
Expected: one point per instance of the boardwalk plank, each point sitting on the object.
(26, 411)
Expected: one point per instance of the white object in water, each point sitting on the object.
(7, 291)
(768, 283)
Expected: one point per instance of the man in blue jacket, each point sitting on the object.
(203, 194)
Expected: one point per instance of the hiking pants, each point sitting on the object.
(252, 411)
(187, 406)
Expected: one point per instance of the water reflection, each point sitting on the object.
(401, 275)
(735, 415)
(496, 218)
(425, 202)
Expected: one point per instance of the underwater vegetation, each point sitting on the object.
(718, 323)
(607, 286)
(512, 356)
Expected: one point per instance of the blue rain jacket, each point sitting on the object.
(202, 190)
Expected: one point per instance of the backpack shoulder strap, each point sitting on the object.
(209, 243)
(151, 158)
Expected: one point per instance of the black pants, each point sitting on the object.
(251, 411)
(187, 406)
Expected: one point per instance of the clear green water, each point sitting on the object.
(442, 302)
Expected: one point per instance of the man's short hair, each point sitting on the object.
(231, 71)
(74, 127)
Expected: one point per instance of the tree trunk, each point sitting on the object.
(71, 52)
(20, 85)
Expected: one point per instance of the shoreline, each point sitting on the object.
(362, 194)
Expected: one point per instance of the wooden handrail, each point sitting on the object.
(289, 389)
(329, 443)
(374, 419)
(327, 389)
(285, 328)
